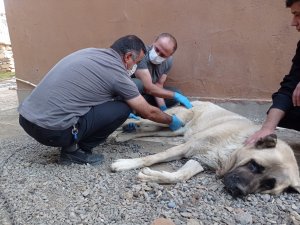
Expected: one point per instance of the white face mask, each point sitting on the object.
(155, 58)
(132, 71)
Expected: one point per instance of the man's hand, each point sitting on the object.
(129, 128)
(175, 124)
(133, 116)
(296, 95)
(268, 127)
(258, 135)
(183, 100)
(163, 107)
(161, 103)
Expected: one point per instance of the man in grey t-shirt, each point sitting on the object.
(75, 106)
(151, 74)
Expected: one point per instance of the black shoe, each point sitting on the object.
(81, 157)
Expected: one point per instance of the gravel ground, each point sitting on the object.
(36, 189)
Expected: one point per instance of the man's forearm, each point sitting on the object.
(273, 118)
(160, 101)
(156, 115)
(159, 92)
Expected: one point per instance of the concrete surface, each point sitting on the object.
(8, 110)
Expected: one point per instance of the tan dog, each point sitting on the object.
(214, 139)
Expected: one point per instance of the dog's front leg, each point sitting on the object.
(190, 169)
(176, 152)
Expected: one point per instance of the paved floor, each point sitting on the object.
(9, 126)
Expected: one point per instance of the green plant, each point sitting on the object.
(6, 75)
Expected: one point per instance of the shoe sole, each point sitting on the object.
(68, 161)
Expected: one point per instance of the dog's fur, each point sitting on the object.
(214, 138)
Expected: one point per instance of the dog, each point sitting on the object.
(214, 139)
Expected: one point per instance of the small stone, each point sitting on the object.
(171, 204)
(72, 215)
(86, 193)
(294, 207)
(162, 221)
(229, 209)
(193, 222)
(243, 218)
(186, 214)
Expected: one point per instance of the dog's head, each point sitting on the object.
(269, 166)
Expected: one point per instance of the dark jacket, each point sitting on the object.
(282, 99)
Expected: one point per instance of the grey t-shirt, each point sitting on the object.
(83, 79)
(156, 71)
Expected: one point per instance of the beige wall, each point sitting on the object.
(227, 48)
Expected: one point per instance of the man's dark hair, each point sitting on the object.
(129, 43)
(289, 3)
(169, 36)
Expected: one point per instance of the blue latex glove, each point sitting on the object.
(163, 107)
(183, 100)
(175, 124)
(129, 128)
(133, 116)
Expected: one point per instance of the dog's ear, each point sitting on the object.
(268, 141)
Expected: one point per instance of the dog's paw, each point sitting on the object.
(126, 164)
(148, 175)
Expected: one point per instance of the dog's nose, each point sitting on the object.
(235, 191)
(233, 185)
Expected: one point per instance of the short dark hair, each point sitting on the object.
(129, 43)
(169, 36)
(289, 3)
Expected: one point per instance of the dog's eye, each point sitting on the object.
(254, 167)
(268, 184)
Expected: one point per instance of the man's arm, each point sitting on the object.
(141, 106)
(145, 110)
(150, 88)
(296, 95)
(160, 101)
(268, 127)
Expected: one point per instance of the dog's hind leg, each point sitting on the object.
(174, 153)
(190, 169)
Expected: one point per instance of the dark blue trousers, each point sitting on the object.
(93, 127)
